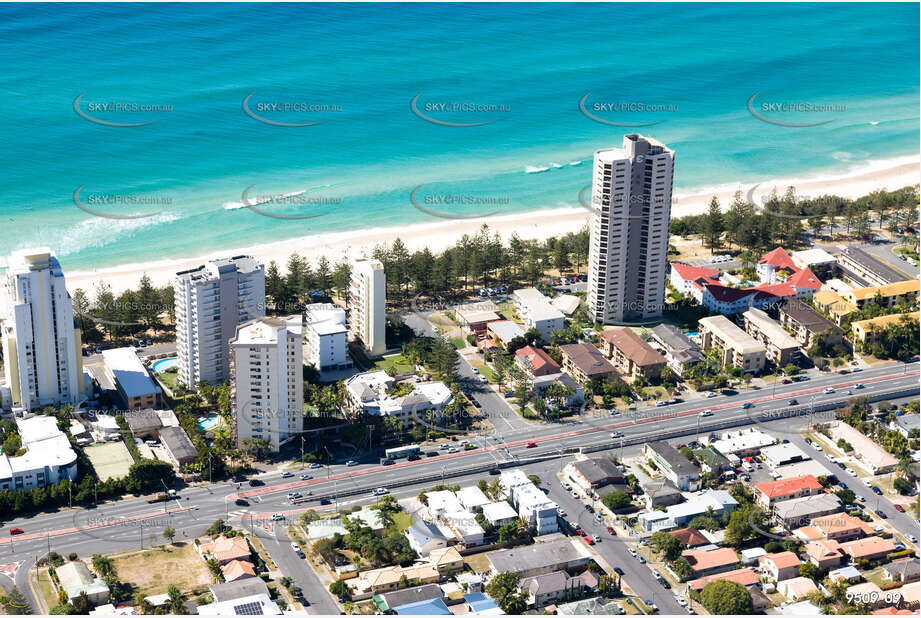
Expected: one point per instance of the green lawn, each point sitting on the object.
(398, 363)
(402, 520)
(459, 342)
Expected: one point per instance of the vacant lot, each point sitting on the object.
(109, 459)
(153, 570)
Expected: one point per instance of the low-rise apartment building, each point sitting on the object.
(780, 346)
(807, 324)
(674, 466)
(736, 347)
(833, 305)
(540, 558)
(585, 362)
(535, 362)
(133, 382)
(680, 352)
(537, 312)
(367, 394)
(630, 354)
(868, 453)
(48, 458)
(868, 267)
(885, 295)
(865, 331)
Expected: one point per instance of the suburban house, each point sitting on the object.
(824, 554)
(594, 472)
(504, 331)
(766, 494)
(868, 453)
(424, 537)
(555, 587)
(75, 579)
(797, 512)
(710, 561)
(780, 566)
(869, 548)
(178, 446)
(225, 549)
(499, 513)
(535, 362)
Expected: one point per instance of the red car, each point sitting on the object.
(588, 540)
(581, 532)
(899, 508)
(531, 445)
(611, 531)
(15, 531)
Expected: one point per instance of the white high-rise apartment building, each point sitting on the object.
(368, 305)
(43, 364)
(211, 301)
(628, 250)
(267, 389)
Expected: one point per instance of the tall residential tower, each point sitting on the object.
(267, 389)
(41, 346)
(628, 250)
(211, 301)
(368, 305)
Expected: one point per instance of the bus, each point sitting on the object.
(398, 452)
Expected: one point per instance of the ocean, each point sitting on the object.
(340, 117)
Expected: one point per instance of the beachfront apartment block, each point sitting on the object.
(326, 337)
(211, 302)
(267, 386)
(43, 365)
(628, 249)
(736, 347)
(368, 305)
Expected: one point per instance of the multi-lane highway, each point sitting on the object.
(133, 523)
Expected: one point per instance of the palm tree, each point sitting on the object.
(176, 599)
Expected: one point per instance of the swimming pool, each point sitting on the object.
(209, 422)
(164, 363)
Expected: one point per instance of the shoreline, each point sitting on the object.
(868, 176)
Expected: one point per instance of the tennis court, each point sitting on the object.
(109, 459)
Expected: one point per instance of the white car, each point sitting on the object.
(596, 538)
(911, 538)
(574, 495)
(278, 517)
(565, 485)
(707, 413)
(380, 491)
(616, 434)
(711, 394)
(351, 462)
(851, 472)
(867, 483)
(829, 390)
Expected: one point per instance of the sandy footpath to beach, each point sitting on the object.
(441, 234)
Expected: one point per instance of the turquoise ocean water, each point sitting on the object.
(520, 68)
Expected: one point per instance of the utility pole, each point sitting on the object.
(95, 494)
(302, 451)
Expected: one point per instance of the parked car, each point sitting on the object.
(899, 508)
(876, 490)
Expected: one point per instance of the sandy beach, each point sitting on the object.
(889, 174)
